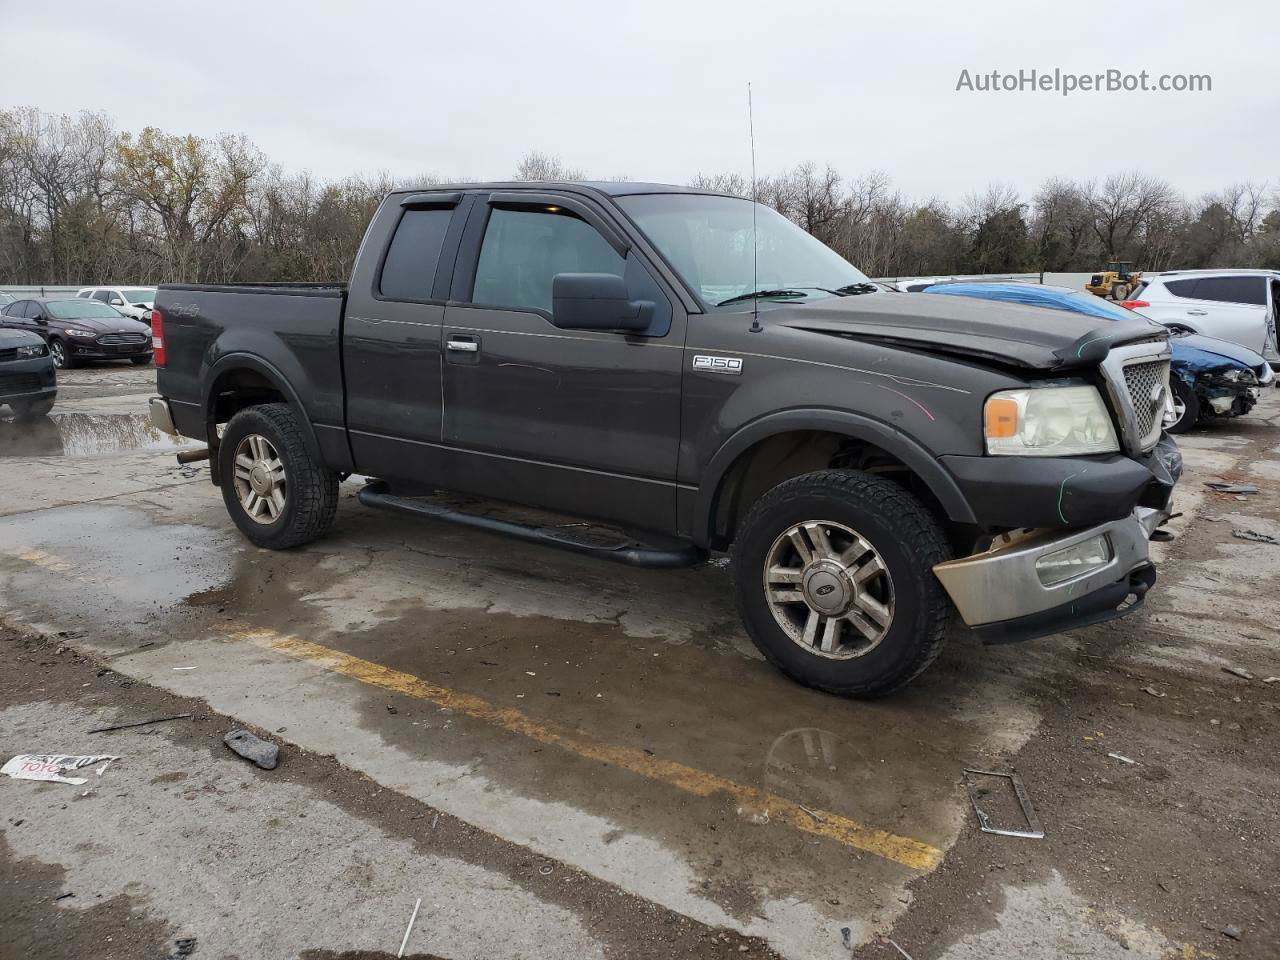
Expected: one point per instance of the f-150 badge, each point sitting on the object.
(732, 365)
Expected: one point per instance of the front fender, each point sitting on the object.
(852, 425)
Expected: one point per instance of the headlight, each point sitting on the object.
(78, 333)
(1051, 421)
(32, 350)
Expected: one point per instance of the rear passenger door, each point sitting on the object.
(1232, 308)
(391, 336)
(581, 421)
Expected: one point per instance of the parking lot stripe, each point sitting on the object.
(904, 850)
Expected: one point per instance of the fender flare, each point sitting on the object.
(249, 361)
(855, 426)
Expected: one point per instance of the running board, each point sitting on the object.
(377, 495)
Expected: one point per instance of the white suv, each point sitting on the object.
(135, 302)
(1236, 305)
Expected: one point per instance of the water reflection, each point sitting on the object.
(83, 435)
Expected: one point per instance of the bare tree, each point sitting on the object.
(535, 165)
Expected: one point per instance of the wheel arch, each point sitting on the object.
(809, 439)
(240, 380)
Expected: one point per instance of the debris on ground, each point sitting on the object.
(1255, 536)
(1232, 931)
(49, 766)
(1240, 672)
(140, 723)
(262, 752)
(1231, 487)
(1032, 831)
(846, 938)
(893, 943)
(183, 947)
(1272, 680)
(1121, 758)
(1153, 691)
(409, 929)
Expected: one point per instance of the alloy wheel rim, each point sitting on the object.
(59, 354)
(829, 589)
(260, 482)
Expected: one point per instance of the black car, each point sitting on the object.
(28, 383)
(77, 330)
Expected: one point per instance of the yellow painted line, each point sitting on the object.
(821, 823)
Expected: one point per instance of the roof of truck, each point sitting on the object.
(613, 188)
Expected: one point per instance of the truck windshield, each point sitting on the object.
(708, 241)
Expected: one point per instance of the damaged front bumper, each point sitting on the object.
(1027, 586)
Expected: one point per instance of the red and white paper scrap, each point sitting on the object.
(48, 766)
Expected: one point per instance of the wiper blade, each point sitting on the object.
(850, 289)
(762, 294)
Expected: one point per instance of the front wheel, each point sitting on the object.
(62, 358)
(32, 409)
(1186, 407)
(276, 493)
(834, 579)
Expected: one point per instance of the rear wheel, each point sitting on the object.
(834, 580)
(1186, 406)
(276, 493)
(1119, 291)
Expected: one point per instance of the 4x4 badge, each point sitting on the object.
(731, 365)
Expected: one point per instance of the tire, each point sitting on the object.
(1119, 291)
(32, 409)
(1184, 398)
(140, 361)
(62, 358)
(309, 491)
(896, 529)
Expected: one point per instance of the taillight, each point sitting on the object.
(1134, 304)
(157, 337)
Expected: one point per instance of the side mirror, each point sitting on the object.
(117, 302)
(596, 301)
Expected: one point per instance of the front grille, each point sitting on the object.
(19, 383)
(1147, 383)
(120, 339)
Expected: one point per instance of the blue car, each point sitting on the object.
(1209, 377)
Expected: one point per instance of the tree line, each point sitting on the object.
(83, 202)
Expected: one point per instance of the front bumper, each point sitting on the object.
(92, 350)
(999, 593)
(24, 380)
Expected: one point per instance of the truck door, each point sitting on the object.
(391, 335)
(581, 421)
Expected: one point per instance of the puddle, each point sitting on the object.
(83, 435)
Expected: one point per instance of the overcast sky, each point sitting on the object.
(657, 90)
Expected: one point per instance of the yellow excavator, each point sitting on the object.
(1115, 282)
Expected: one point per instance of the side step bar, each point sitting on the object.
(377, 495)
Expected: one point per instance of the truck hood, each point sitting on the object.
(1006, 333)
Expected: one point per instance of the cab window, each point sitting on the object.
(523, 250)
(409, 270)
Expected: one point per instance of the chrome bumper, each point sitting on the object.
(1003, 584)
(162, 416)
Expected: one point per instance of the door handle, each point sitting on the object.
(1197, 313)
(463, 346)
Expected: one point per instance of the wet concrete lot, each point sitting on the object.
(608, 721)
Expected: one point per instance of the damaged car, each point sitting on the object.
(1214, 378)
(1208, 377)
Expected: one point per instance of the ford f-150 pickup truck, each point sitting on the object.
(696, 374)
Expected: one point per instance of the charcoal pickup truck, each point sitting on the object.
(693, 373)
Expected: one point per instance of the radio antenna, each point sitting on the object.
(755, 248)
